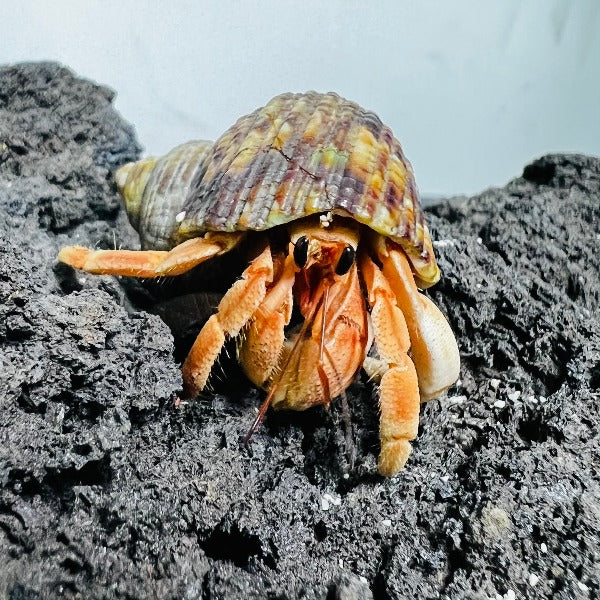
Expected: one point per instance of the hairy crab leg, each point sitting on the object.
(320, 369)
(312, 312)
(235, 309)
(399, 388)
(263, 340)
(433, 346)
(150, 263)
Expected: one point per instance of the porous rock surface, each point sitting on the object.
(111, 489)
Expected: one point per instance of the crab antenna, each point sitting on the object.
(348, 438)
(348, 441)
(323, 320)
(320, 370)
(322, 291)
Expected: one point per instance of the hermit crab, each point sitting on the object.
(325, 191)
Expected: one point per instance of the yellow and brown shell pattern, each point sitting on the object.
(303, 154)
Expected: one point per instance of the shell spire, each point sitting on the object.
(155, 189)
(131, 180)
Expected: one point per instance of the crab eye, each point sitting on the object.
(346, 260)
(301, 251)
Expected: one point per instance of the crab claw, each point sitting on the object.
(433, 346)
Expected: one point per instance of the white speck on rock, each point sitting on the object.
(445, 478)
(386, 522)
(499, 404)
(330, 500)
(179, 217)
(479, 241)
(582, 586)
(510, 595)
(543, 398)
(443, 243)
(456, 399)
(363, 579)
(533, 579)
(543, 548)
(495, 383)
(512, 396)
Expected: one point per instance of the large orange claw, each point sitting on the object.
(433, 346)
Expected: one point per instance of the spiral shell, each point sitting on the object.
(155, 190)
(298, 155)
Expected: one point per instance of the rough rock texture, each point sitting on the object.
(108, 490)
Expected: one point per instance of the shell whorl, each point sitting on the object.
(131, 180)
(155, 189)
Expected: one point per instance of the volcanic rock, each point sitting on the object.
(110, 487)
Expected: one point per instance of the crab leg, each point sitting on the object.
(235, 309)
(263, 341)
(150, 263)
(433, 346)
(399, 388)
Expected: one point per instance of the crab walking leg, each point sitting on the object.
(399, 387)
(433, 346)
(235, 309)
(150, 263)
(263, 341)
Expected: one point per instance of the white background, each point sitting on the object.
(473, 89)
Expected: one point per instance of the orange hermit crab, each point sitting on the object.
(331, 181)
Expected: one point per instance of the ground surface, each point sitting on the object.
(107, 490)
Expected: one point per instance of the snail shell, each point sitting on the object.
(155, 190)
(300, 154)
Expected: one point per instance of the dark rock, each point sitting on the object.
(108, 490)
